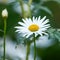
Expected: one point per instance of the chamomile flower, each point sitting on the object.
(34, 25)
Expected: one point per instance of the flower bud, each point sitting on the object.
(5, 13)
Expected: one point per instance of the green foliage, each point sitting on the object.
(48, 8)
(54, 33)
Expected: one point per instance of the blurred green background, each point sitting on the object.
(49, 8)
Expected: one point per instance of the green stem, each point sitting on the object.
(4, 1)
(27, 51)
(30, 2)
(23, 11)
(21, 3)
(4, 38)
(34, 47)
(29, 5)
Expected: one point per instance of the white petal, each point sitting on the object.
(46, 21)
(20, 27)
(29, 21)
(47, 25)
(33, 18)
(39, 18)
(17, 30)
(40, 33)
(44, 27)
(24, 20)
(35, 34)
(21, 23)
(28, 35)
(43, 19)
(45, 33)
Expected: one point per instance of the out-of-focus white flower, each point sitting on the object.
(12, 52)
(34, 25)
(18, 53)
(5, 13)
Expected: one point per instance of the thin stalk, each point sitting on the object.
(4, 1)
(30, 2)
(29, 5)
(34, 47)
(21, 3)
(27, 51)
(22, 8)
(4, 38)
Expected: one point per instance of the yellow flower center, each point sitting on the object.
(33, 27)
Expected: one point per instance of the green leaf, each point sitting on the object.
(57, 35)
(55, 9)
(46, 10)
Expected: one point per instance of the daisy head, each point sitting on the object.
(34, 25)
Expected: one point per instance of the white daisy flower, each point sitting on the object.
(34, 25)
